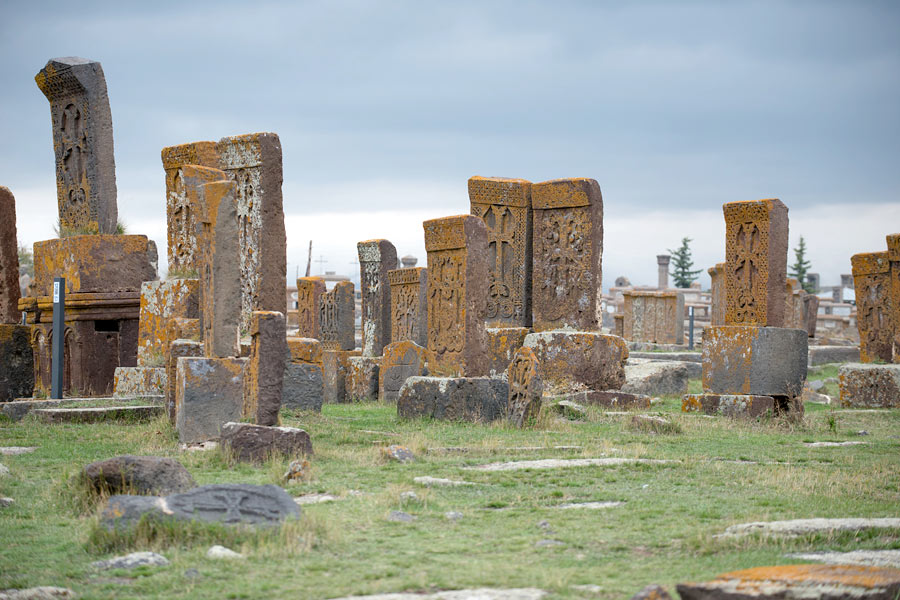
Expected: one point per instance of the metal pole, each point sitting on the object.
(691, 328)
(59, 318)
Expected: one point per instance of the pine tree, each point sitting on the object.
(801, 266)
(682, 263)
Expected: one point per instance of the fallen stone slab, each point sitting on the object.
(729, 405)
(428, 481)
(141, 475)
(400, 517)
(16, 450)
(473, 399)
(398, 453)
(608, 399)
(17, 409)
(869, 385)
(694, 368)
(315, 499)
(695, 357)
(588, 505)
(826, 582)
(132, 561)
(871, 558)
(795, 527)
(823, 355)
(500, 449)
(256, 443)
(230, 504)
(473, 594)
(563, 463)
(44, 592)
(832, 444)
(99, 415)
(653, 378)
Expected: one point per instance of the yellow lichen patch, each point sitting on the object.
(735, 343)
(502, 345)
(870, 263)
(855, 575)
(561, 193)
(92, 263)
(161, 301)
(305, 350)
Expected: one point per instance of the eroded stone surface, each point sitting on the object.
(336, 368)
(376, 259)
(429, 481)
(264, 375)
(309, 297)
(177, 349)
(503, 342)
(363, 377)
(132, 561)
(654, 317)
(795, 527)
(162, 301)
(256, 443)
(872, 558)
(869, 385)
(9, 260)
(139, 381)
(209, 393)
(656, 378)
(473, 399)
(336, 314)
(609, 399)
(17, 360)
(563, 463)
(573, 359)
(409, 305)
(140, 475)
(874, 312)
(523, 376)
(754, 360)
(735, 405)
(401, 361)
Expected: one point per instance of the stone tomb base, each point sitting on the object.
(140, 381)
(740, 406)
(473, 399)
(16, 362)
(304, 387)
(609, 399)
(579, 360)
(502, 345)
(401, 361)
(336, 366)
(869, 385)
(362, 378)
(209, 392)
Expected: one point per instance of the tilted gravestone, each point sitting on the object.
(525, 388)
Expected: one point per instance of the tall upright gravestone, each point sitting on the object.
(376, 259)
(409, 307)
(872, 280)
(309, 297)
(9, 259)
(82, 144)
(336, 316)
(16, 355)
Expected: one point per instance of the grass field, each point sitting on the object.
(722, 472)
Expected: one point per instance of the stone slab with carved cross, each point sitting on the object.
(409, 307)
(872, 281)
(376, 259)
(401, 361)
(655, 317)
(337, 308)
(523, 376)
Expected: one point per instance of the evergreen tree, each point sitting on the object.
(682, 263)
(801, 266)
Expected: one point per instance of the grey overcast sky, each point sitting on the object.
(385, 108)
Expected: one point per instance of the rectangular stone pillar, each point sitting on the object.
(376, 259)
(264, 377)
(756, 241)
(893, 244)
(9, 260)
(178, 348)
(409, 307)
(568, 250)
(662, 265)
(505, 206)
(304, 385)
(82, 144)
(253, 162)
(457, 271)
(220, 282)
(336, 317)
(717, 293)
(872, 280)
(309, 297)
(654, 317)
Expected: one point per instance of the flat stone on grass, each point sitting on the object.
(16, 450)
(871, 558)
(221, 552)
(97, 415)
(44, 592)
(255, 443)
(399, 516)
(563, 463)
(314, 499)
(429, 481)
(833, 444)
(588, 505)
(138, 475)
(795, 527)
(473, 594)
(132, 561)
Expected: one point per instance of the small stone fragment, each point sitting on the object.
(44, 592)
(408, 496)
(298, 470)
(6, 502)
(653, 424)
(428, 481)
(652, 592)
(132, 561)
(138, 475)
(16, 450)
(221, 552)
(314, 499)
(398, 453)
(453, 515)
(400, 517)
(4, 470)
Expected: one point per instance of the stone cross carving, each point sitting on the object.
(309, 296)
(336, 316)
(376, 259)
(409, 308)
(525, 388)
(871, 278)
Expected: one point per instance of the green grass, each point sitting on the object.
(726, 472)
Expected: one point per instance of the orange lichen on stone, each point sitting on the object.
(575, 360)
(264, 374)
(401, 361)
(874, 305)
(562, 193)
(161, 301)
(309, 297)
(893, 244)
(502, 345)
(855, 575)
(305, 350)
(409, 308)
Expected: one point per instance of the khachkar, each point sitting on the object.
(309, 297)
(717, 289)
(875, 382)
(16, 356)
(753, 365)
(654, 317)
(409, 305)
(376, 259)
(566, 289)
(82, 144)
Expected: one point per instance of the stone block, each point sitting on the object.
(654, 378)
(409, 306)
(473, 399)
(209, 393)
(124, 414)
(577, 360)
(756, 244)
(309, 298)
(505, 206)
(257, 443)
(823, 355)
(874, 310)
(608, 399)
(734, 405)
(362, 378)
(82, 143)
(654, 317)
(893, 245)
(184, 329)
(9, 260)
(717, 294)
(336, 366)
(401, 361)
(457, 270)
(523, 405)
(619, 325)
(264, 377)
(16, 362)
(376, 259)
(304, 386)
(502, 345)
(140, 381)
(162, 301)
(760, 361)
(177, 349)
(94, 263)
(138, 475)
(868, 385)
(305, 350)
(337, 310)
(568, 252)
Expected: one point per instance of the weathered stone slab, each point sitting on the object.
(363, 377)
(139, 381)
(161, 301)
(568, 252)
(142, 475)
(336, 367)
(893, 245)
(177, 349)
(654, 317)
(17, 409)
(337, 310)
(82, 144)
(376, 259)
(795, 527)
(573, 359)
(523, 405)
(503, 342)
(717, 294)
(872, 558)
(132, 561)
(264, 377)
(97, 415)
(473, 594)
(653, 378)
(220, 281)
(868, 385)
(305, 350)
(230, 504)
(473, 399)
(619, 325)
(872, 281)
(304, 386)
(756, 242)
(409, 306)
(831, 582)
(187, 167)
(309, 298)
(823, 355)
(608, 399)
(209, 393)
(764, 361)
(253, 162)
(565, 463)
(729, 405)
(457, 272)
(16, 362)
(505, 206)
(257, 443)
(401, 361)
(9, 260)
